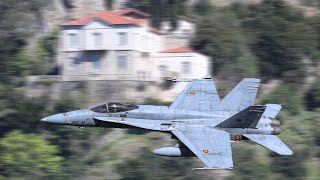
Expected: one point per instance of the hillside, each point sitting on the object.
(270, 40)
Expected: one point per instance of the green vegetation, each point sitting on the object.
(15, 28)
(203, 7)
(109, 4)
(269, 40)
(18, 161)
(311, 3)
(281, 39)
(287, 97)
(271, 37)
(312, 97)
(161, 10)
(218, 35)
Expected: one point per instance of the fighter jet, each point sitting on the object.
(204, 125)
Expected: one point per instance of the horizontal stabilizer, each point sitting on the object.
(271, 142)
(247, 118)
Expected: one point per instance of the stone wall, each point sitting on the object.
(95, 92)
(83, 8)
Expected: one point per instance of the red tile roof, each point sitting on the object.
(134, 11)
(138, 21)
(108, 16)
(178, 50)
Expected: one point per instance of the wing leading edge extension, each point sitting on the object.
(211, 146)
(198, 95)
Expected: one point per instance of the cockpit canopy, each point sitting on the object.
(114, 107)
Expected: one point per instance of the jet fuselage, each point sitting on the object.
(158, 118)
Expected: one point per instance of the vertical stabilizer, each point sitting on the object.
(242, 96)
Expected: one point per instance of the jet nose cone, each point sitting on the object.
(57, 119)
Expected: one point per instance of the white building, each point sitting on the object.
(121, 45)
(184, 30)
(181, 62)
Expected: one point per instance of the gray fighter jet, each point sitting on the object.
(204, 125)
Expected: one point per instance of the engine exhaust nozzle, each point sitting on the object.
(276, 130)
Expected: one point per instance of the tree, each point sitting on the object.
(279, 38)
(148, 166)
(163, 10)
(28, 155)
(109, 4)
(220, 36)
(203, 7)
(315, 23)
(289, 167)
(248, 164)
(17, 24)
(19, 112)
(312, 97)
(287, 97)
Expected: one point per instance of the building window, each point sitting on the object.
(96, 64)
(98, 39)
(145, 55)
(186, 68)
(186, 33)
(142, 75)
(163, 68)
(95, 57)
(123, 38)
(144, 42)
(122, 62)
(73, 62)
(73, 39)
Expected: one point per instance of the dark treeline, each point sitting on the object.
(274, 35)
(163, 10)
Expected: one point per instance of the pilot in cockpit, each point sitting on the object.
(114, 107)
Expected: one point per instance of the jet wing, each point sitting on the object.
(198, 95)
(271, 142)
(211, 146)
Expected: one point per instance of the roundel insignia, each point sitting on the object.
(192, 93)
(237, 137)
(205, 150)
